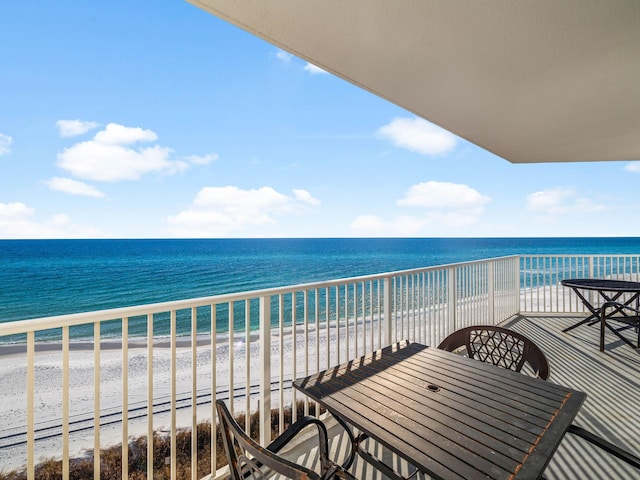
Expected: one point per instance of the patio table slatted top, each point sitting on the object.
(450, 416)
(602, 284)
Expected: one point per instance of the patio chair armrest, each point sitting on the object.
(609, 447)
(323, 440)
(295, 428)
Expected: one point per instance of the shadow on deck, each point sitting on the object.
(611, 380)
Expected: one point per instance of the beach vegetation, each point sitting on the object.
(111, 457)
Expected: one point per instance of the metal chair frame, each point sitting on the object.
(609, 447)
(499, 346)
(248, 459)
(509, 349)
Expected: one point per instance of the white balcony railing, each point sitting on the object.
(170, 367)
(540, 277)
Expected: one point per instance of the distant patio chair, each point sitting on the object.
(248, 459)
(629, 318)
(499, 346)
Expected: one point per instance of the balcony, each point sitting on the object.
(76, 372)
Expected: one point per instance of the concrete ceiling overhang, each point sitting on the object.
(529, 80)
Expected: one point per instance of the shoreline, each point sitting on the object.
(48, 378)
(48, 382)
(106, 344)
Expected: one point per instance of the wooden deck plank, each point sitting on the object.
(611, 380)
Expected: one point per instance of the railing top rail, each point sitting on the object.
(43, 323)
(578, 255)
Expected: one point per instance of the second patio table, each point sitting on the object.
(608, 290)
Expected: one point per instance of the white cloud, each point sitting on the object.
(284, 56)
(16, 222)
(313, 69)
(443, 195)
(561, 201)
(233, 198)
(418, 135)
(112, 163)
(202, 159)
(109, 156)
(60, 220)
(632, 167)
(448, 209)
(305, 197)
(5, 144)
(430, 223)
(115, 134)
(73, 187)
(72, 128)
(14, 210)
(224, 211)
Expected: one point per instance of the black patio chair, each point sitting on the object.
(248, 459)
(628, 316)
(506, 348)
(499, 346)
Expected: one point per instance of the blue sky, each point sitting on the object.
(123, 120)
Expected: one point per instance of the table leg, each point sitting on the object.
(603, 323)
(595, 312)
(357, 441)
(613, 299)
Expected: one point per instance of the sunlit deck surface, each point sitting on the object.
(612, 409)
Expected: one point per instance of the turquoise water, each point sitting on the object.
(53, 277)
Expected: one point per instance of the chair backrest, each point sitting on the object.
(499, 346)
(248, 459)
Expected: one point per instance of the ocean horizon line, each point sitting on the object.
(51, 277)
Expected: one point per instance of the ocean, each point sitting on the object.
(53, 277)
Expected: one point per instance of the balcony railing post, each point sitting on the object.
(31, 355)
(516, 285)
(491, 291)
(451, 298)
(387, 281)
(265, 370)
(591, 274)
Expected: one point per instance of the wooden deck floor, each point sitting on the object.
(611, 380)
(612, 409)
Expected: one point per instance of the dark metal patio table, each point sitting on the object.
(608, 290)
(450, 416)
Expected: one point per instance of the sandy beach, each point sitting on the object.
(48, 381)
